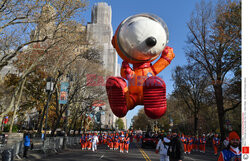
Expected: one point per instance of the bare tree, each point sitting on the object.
(38, 30)
(214, 42)
(190, 84)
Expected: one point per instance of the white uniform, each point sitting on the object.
(163, 149)
(95, 140)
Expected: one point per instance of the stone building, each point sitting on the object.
(99, 31)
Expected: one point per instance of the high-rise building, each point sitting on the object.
(100, 32)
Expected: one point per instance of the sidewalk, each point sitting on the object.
(39, 154)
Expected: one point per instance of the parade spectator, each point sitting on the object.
(162, 146)
(216, 143)
(232, 152)
(176, 149)
(27, 143)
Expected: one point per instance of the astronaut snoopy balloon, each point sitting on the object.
(139, 40)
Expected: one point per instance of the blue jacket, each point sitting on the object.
(229, 155)
(26, 140)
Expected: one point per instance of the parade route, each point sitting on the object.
(136, 153)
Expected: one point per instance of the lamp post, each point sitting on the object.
(67, 112)
(49, 89)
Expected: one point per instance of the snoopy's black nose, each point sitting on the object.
(151, 41)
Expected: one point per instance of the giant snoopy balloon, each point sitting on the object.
(139, 40)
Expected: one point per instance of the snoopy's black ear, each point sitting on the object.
(113, 41)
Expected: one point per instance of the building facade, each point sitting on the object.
(100, 32)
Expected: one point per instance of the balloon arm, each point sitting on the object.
(165, 60)
(126, 71)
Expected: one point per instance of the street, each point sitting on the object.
(136, 153)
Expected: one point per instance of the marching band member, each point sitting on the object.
(196, 143)
(216, 143)
(115, 142)
(121, 142)
(203, 143)
(189, 144)
(83, 142)
(104, 138)
(89, 141)
(184, 141)
(126, 143)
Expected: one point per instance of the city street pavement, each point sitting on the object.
(136, 153)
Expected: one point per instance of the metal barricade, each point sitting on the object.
(50, 144)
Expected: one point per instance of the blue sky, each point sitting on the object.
(175, 13)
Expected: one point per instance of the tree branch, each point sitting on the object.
(234, 106)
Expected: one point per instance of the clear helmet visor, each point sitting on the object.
(142, 37)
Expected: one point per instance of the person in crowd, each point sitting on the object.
(105, 138)
(184, 142)
(225, 142)
(95, 140)
(203, 144)
(189, 145)
(162, 146)
(126, 142)
(199, 143)
(232, 152)
(138, 137)
(83, 142)
(89, 141)
(27, 144)
(111, 141)
(115, 142)
(131, 137)
(216, 143)
(176, 148)
(121, 142)
(196, 140)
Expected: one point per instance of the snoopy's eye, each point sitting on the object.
(130, 23)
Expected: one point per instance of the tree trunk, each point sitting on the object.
(195, 122)
(220, 108)
(7, 110)
(17, 104)
(56, 124)
(44, 110)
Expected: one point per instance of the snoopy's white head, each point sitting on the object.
(141, 38)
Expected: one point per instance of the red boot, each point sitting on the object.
(154, 93)
(116, 95)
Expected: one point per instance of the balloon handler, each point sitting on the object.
(139, 40)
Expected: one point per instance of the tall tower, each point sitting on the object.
(100, 32)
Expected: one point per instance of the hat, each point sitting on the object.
(233, 135)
